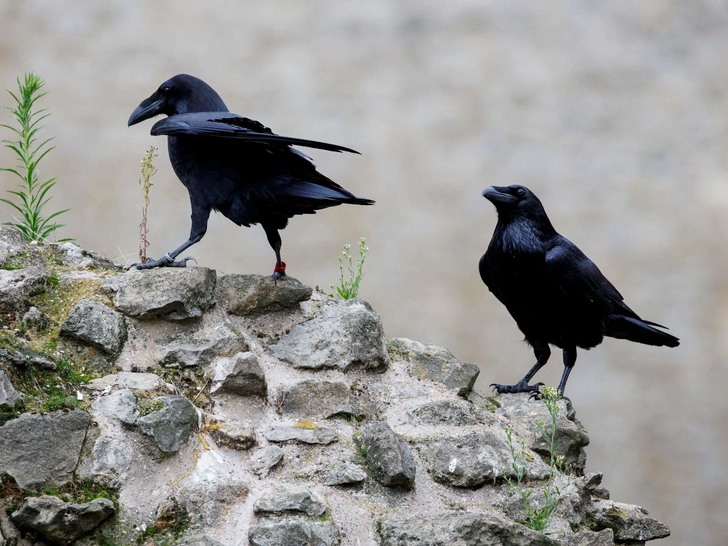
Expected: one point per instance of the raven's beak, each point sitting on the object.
(147, 109)
(498, 194)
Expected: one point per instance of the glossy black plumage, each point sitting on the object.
(556, 295)
(236, 165)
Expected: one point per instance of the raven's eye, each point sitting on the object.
(521, 192)
(165, 89)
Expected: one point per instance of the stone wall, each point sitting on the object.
(191, 407)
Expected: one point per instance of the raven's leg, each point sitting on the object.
(569, 361)
(542, 352)
(274, 239)
(200, 215)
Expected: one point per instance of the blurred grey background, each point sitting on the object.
(613, 112)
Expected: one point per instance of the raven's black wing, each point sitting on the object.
(579, 278)
(228, 125)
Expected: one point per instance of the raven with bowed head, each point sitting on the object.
(556, 295)
(236, 166)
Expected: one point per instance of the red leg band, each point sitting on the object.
(280, 268)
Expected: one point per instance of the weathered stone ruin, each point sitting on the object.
(183, 406)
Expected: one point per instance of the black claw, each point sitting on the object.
(183, 262)
(164, 261)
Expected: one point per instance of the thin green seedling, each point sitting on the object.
(550, 396)
(349, 288)
(33, 194)
(534, 514)
(145, 183)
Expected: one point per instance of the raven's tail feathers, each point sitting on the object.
(360, 201)
(641, 331)
(325, 192)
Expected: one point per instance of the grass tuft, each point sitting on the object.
(349, 288)
(537, 514)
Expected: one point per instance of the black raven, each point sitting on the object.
(553, 291)
(236, 166)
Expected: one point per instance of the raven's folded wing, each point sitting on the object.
(578, 277)
(228, 125)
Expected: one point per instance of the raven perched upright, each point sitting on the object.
(553, 291)
(236, 166)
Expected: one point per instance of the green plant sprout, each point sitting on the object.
(550, 396)
(537, 514)
(33, 195)
(349, 289)
(145, 183)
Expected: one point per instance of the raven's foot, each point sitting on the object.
(164, 261)
(278, 272)
(521, 386)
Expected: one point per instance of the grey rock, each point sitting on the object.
(322, 435)
(312, 398)
(591, 538)
(170, 426)
(346, 335)
(461, 528)
(474, 459)
(121, 405)
(108, 463)
(233, 435)
(12, 243)
(74, 255)
(629, 522)
(575, 497)
(16, 285)
(33, 317)
(27, 358)
(294, 533)
(135, 381)
(61, 522)
(362, 404)
(293, 500)
(168, 293)
(255, 294)
(198, 539)
(591, 485)
(8, 395)
(451, 412)
(263, 460)
(344, 473)
(240, 374)
(139, 381)
(389, 455)
(9, 534)
(515, 507)
(97, 325)
(42, 451)
(434, 363)
(202, 348)
(528, 419)
(482, 401)
(206, 502)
